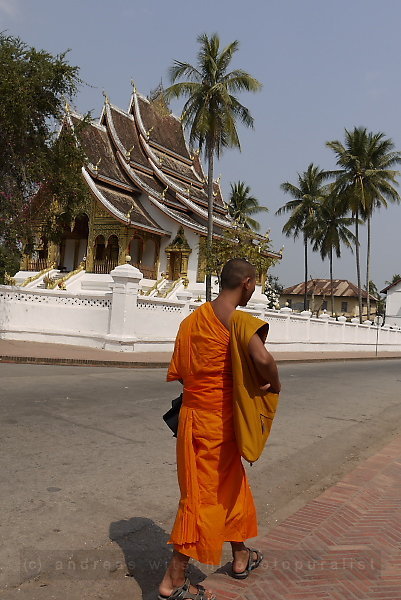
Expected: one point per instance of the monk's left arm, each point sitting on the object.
(265, 364)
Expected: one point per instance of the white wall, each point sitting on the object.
(393, 306)
(48, 316)
(120, 320)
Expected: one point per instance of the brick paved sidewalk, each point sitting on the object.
(344, 545)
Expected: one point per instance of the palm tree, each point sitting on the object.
(364, 181)
(241, 206)
(211, 110)
(382, 158)
(331, 230)
(307, 197)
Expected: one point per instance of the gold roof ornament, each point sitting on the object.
(149, 131)
(106, 97)
(96, 166)
(164, 192)
(160, 160)
(133, 86)
(128, 152)
(128, 215)
(67, 106)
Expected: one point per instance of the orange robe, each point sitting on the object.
(216, 502)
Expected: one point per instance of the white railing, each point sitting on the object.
(122, 320)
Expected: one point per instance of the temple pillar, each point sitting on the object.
(123, 242)
(184, 262)
(90, 253)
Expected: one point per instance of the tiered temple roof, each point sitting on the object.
(143, 152)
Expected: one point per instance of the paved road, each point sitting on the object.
(85, 459)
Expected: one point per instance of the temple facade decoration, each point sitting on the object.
(148, 198)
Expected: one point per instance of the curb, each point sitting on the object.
(77, 362)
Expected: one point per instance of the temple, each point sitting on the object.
(148, 205)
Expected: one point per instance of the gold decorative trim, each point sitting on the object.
(61, 282)
(34, 277)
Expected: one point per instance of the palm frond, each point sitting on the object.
(182, 69)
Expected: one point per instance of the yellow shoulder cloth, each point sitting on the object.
(254, 410)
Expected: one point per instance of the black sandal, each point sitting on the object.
(183, 593)
(252, 564)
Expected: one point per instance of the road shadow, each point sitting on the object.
(146, 553)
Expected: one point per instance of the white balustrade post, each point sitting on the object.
(325, 318)
(356, 323)
(286, 310)
(307, 314)
(343, 321)
(125, 288)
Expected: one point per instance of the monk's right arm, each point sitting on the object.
(265, 364)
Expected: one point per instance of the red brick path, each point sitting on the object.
(344, 545)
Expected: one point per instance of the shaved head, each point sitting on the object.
(234, 272)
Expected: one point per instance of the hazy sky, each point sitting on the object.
(325, 65)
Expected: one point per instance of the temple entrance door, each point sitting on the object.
(177, 257)
(175, 266)
(73, 247)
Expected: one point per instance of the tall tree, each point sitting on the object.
(242, 205)
(33, 87)
(307, 197)
(383, 185)
(364, 180)
(239, 242)
(330, 231)
(211, 110)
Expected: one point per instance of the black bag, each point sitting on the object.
(171, 416)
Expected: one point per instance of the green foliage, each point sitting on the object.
(373, 289)
(381, 300)
(307, 196)
(364, 181)
(273, 290)
(33, 88)
(237, 243)
(242, 205)
(395, 279)
(365, 178)
(330, 229)
(211, 110)
(9, 261)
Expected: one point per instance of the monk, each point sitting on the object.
(216, 502)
